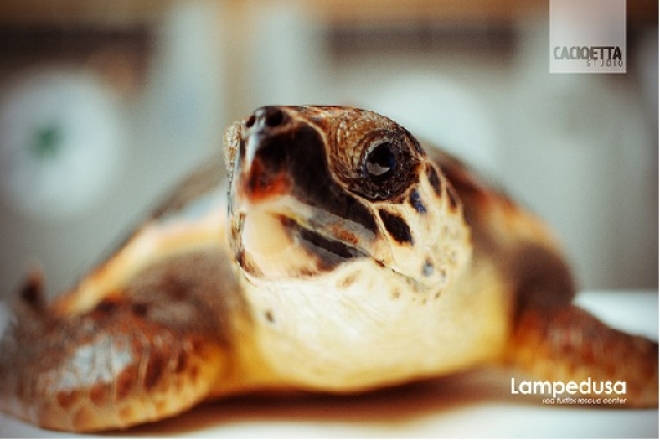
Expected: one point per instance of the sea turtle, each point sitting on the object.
(343, 259)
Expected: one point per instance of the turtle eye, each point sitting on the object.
(380, 159)
(387, 165)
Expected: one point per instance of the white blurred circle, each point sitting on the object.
(61, 138)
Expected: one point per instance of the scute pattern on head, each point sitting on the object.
(356, 133)
(348, 132)
(441, 239)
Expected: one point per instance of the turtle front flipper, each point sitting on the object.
(150, 349)
(571, 345)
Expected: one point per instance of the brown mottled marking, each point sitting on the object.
(396, 226)
(453, 198)
(181, 361)
(198, 347)
(126, 382)
(348, 280)
(193, 373)
(154, 370)
(346, 236)
(269, 316)
(99, 394)
(434, 180)
(68, 398)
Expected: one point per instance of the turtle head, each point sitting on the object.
(313, 189)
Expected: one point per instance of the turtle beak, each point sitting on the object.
(263, 173)
(258, 203)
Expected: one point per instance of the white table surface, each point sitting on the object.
(476, 404)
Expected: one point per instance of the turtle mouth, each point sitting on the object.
(274, 241)
(329, 250)
(279, 246)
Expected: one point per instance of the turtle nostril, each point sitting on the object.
(266, 117)
(274, 117)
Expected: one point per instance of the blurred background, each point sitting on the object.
(105, 105)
